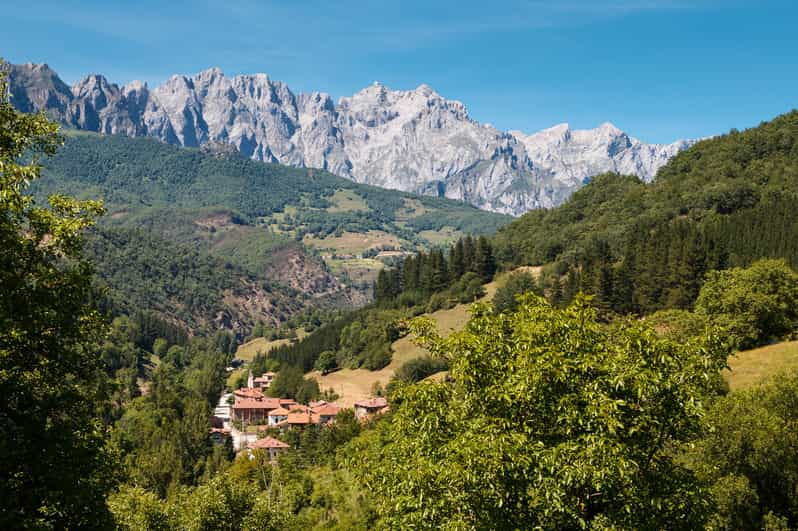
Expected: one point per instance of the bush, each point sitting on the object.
(755, 305)
(377, 358)
(326, 362)
(516, 284)
(468, 288)
(439, 301)
(549, 408)
(677, 324)
(750, 455)
(290, 383)
(408, 299)
(417, 369)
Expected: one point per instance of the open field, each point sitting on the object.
(443, 236)
(248, 350)
(413, 208)
(347, 201)
(751, 367)
(353, 242)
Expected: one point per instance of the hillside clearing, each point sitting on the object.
(247, 351)
(751, 367)
(347, 201)
(356, 384)
(354, 242)
(442, 236)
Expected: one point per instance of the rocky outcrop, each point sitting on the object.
(413, 140)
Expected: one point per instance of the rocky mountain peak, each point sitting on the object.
(93, 86)
(135, 86)
(210, 73)
(426, 91)
(609, 128)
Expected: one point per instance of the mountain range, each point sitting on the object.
(409, 140)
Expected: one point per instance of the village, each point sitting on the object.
(254, 422)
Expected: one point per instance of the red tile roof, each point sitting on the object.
(299, 418)
(267, 442)
(316, 404)
(248, 392)
(327, 410)
(251, 403)
(280, 411)
(372, 403)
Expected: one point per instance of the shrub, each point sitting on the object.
(755, 305)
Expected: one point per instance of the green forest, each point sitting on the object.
(588, 396)
(136, 173)
(725, 202)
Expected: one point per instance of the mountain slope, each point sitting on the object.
(412, 140)
(200, 292)
(140, 175)
(639, 248)
(712, 180)
(304, 234)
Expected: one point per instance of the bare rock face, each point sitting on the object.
(412, 140)
(35, 87)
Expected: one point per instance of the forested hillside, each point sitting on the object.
(134, 174)
(724, 202)
(138, 270)
(715, 177)
(636, 247)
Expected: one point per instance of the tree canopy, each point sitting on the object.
(552, 421)
(54, 469)
(754, 305)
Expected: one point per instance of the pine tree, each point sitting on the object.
(599, 273)
(469, 254)
(382, 288)
(484, 262)
(623, 286)
(440, 278)
(456, 260)
(411, 273)
(434, 277)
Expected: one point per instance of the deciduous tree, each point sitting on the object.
(54, 469)
(552, 421)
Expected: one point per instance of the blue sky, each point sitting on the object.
(659, 69)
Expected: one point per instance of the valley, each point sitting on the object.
(279, 239)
